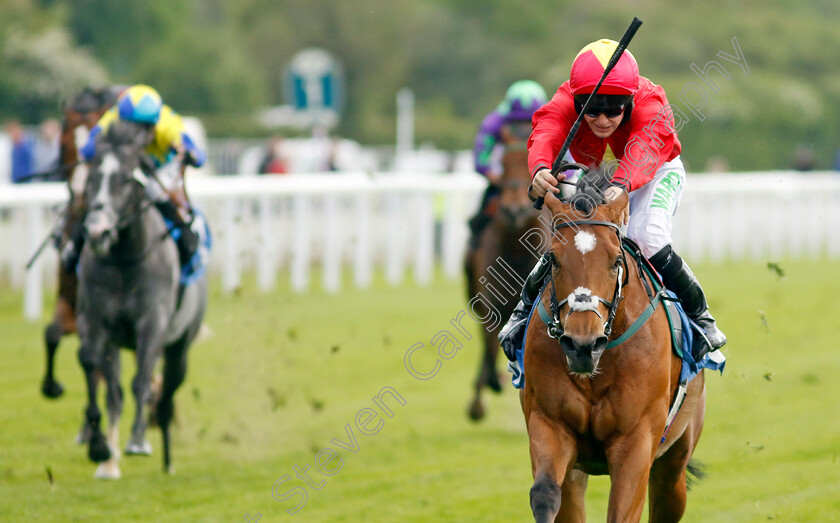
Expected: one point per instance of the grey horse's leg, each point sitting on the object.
(97, 445)
(111, 372)
(148, 350)
(174, 371)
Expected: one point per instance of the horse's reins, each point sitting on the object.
(555, 328)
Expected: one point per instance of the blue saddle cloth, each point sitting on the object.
(688, 339)
(197, 264)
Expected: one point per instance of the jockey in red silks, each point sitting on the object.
(521, 100)
(171, 149)
(629, 131)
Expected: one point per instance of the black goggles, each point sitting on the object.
(611, 105)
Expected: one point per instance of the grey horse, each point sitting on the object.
(129, 296)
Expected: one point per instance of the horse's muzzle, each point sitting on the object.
(583, 353)
(101, 231)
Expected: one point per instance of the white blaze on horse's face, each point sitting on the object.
(107, 168)
(585, 241)
(101, 218)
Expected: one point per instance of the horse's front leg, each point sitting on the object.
(149, 347)
(110, 366)
(90, 352)
(487, 376)
(553, 452)
(629, 458)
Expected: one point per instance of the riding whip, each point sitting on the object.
(625, 40)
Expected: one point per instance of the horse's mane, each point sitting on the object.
(122, 132)
(589, 191)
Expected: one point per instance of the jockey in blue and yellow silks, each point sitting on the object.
(171, 149)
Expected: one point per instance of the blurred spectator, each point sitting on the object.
(273, 162)
(803, 158)
(836, 165)
(22, 151)
(46, 149)
(717, 164)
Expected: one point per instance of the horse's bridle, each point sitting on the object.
(555, 327)
(138, 205)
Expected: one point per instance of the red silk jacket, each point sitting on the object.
(641, 145)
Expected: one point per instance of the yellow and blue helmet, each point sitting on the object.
(140, 103)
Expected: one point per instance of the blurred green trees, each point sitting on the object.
(224, 60)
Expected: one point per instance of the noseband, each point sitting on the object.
(584, 301)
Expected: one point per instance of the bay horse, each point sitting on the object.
(129, 296)
(80, 116)
(600, 379)
(501, 239)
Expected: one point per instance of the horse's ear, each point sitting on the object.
(616, 207)
(144, 136)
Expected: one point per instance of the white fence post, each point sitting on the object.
(266, 247)
(332, 245)
(230, 277)
(363, 263)
(395, 239)
(33, 298)
(301, 243)
(424, 243)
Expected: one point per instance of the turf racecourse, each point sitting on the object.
(282, 377)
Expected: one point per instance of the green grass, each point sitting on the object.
(281, 375)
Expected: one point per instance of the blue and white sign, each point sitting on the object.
(315, 86)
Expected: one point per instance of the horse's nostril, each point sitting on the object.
(600, 344)
(568, 344)
(574, 345)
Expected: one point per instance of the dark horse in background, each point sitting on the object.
(599, 385)
(80, 116)
(129, 296)
(501, 239)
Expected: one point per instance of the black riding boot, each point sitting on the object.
(678, 278)
(188, 240)
(512, 334)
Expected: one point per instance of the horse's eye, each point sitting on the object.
(617, 264)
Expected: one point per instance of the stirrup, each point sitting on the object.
(714, 335)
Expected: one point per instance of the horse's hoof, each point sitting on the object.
(107, 471)
(98, 450)
(139, 449)
(476, 411)
(52, 389)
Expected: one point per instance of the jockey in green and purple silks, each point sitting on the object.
(522, 99)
